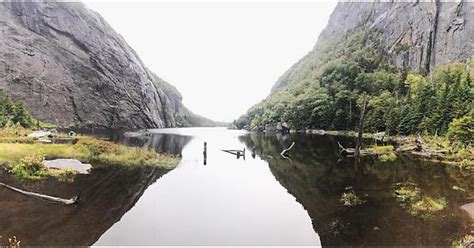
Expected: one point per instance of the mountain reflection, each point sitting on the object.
(106, 195)
(317, 177)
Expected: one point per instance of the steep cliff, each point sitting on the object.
(413, 60)
(415, 35)
(71, 68)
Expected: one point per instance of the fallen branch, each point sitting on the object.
(53, 199)
(284, 152)
(346, 151)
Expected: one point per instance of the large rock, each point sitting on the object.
(71, 68)
(416, 35)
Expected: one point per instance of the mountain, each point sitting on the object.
(392, 51)
(70, 68)
(416, 35)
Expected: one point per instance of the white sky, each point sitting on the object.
(222, 56)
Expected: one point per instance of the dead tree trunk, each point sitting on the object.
(53, 199)
(361, 125)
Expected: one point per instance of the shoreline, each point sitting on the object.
(26, 156)
(426, 147)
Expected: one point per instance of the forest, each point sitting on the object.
(439, 102)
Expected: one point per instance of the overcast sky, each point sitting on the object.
(223, 57)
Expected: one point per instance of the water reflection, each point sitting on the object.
(317, 177)
(106, 194)
(228, 201)
(212, 198)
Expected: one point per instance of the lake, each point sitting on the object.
(261, 198)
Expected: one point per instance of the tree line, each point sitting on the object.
(400, 101)
(13, 113)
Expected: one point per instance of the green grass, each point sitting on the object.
(22, 158)
(388, 157)
(381, 149)
(114, 154)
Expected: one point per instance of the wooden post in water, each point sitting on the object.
(205, 153)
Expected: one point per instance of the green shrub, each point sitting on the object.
(31, 167)
(95, 147)
(462, 129)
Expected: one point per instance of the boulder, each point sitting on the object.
(72, 164)
(40, 134)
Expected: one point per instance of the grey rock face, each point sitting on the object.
(70, 67)
(414, 35)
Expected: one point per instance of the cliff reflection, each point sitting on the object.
(107, 194)
(317, 177)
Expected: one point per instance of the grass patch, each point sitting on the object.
(426, 206)
(409, 196)
(350, 199)
(66, 175)
(25, 159)
(15, 135)
(384, 153)
(387, 157)
(381, 149)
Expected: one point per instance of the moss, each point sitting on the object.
(350, 199)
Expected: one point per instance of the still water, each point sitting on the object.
(259, 199)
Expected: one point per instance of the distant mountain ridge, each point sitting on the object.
(70, 67)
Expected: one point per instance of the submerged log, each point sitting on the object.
(238, 153)
(204, 153)
(48, 198)
(285, 151)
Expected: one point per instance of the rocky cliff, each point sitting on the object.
(70, 67)
(414, 35)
